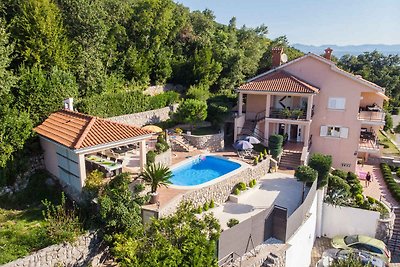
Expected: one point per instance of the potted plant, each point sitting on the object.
(178, 131)
(156, 175)
(285, 113)
(265, 153)
(297, 113)
(255, 161)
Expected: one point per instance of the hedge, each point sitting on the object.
(393, 186)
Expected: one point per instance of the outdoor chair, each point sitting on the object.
(113, 159)
(248, 152)
(120, 161)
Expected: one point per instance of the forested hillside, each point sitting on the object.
(105, 51)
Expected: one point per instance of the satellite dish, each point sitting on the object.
(284, 58)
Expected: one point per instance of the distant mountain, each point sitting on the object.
(339, 51)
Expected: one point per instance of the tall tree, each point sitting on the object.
(15, 126)
(40, 35)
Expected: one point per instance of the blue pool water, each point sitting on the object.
(202, 169)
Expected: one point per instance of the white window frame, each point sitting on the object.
(334, 131)
(337, 103)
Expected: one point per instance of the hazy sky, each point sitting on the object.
(316, 22)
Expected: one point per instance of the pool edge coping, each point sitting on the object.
(242, 164)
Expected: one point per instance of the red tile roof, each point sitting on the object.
(76, 130)
(279, 81)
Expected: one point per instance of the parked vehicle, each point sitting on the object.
(332, 254)
(361, 242)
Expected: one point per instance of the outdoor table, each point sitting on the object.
(109, 166)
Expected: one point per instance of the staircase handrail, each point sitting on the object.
(228, 259)
(186, 146)
(253, 133)
(261, 115)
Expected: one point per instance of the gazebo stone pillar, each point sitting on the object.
(142, 154)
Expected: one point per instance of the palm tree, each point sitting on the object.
(156, 175)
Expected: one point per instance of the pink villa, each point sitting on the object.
(319, 107)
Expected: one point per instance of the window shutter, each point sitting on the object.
(344, 132)
(324, 130)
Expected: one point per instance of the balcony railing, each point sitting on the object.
(377, 116)
(291, 114)
(368, 142)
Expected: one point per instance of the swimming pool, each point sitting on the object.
(202, 169)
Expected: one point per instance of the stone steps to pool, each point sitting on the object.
(178, 143)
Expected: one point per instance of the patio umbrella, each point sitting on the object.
(152, 128)
(252, 140)
(242, 145)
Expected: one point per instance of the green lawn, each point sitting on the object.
(390, 149)
(204, 131)
(22, 226)
(21, 232)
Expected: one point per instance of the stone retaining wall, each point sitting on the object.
(147, 117)
(158, 89)
(212, 142)
(83, 252)
(384, 228)
(164, 158)
(220, 191)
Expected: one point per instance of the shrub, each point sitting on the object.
(275, 141)
(336, 183)
(342, 174)
(62, 223)
(232, 222)
(206, 206)
(322, 164)
(371, 200)
(212, 204)
(236, 191)
(198, 92)
(398, 172)
(388, 122)
(199, 210)
(150, 157)
(191, 111)
(265, 153)
(252, 183)
(261, 156)
(359, 198)
(241, 186)
(178, 131)
(393, 186)
(139, 188)
(255, 160)
(164, 100)
(93, 183)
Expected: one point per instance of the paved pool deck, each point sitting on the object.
(274, 188)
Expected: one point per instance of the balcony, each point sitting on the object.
(290, 114)
(372, 115)
(368, 142)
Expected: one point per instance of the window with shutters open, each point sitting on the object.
(334, 131)
(337, 103)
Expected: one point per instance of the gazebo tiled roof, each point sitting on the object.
(76, 130)
(279, 81)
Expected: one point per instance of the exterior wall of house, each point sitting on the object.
(50, 156)
(63, 163)
(332, 84)
(258, 103)
(369, 98)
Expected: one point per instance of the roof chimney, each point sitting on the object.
(276, 56)
(328, 53)
(68, 104)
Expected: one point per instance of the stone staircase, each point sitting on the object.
(394, 242)
(290, 160)
(178, 143)
(248, 128)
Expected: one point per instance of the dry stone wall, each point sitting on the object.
(164, 158)
(147, 117)
(219, 192)
(212, 142)
(83, 252)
